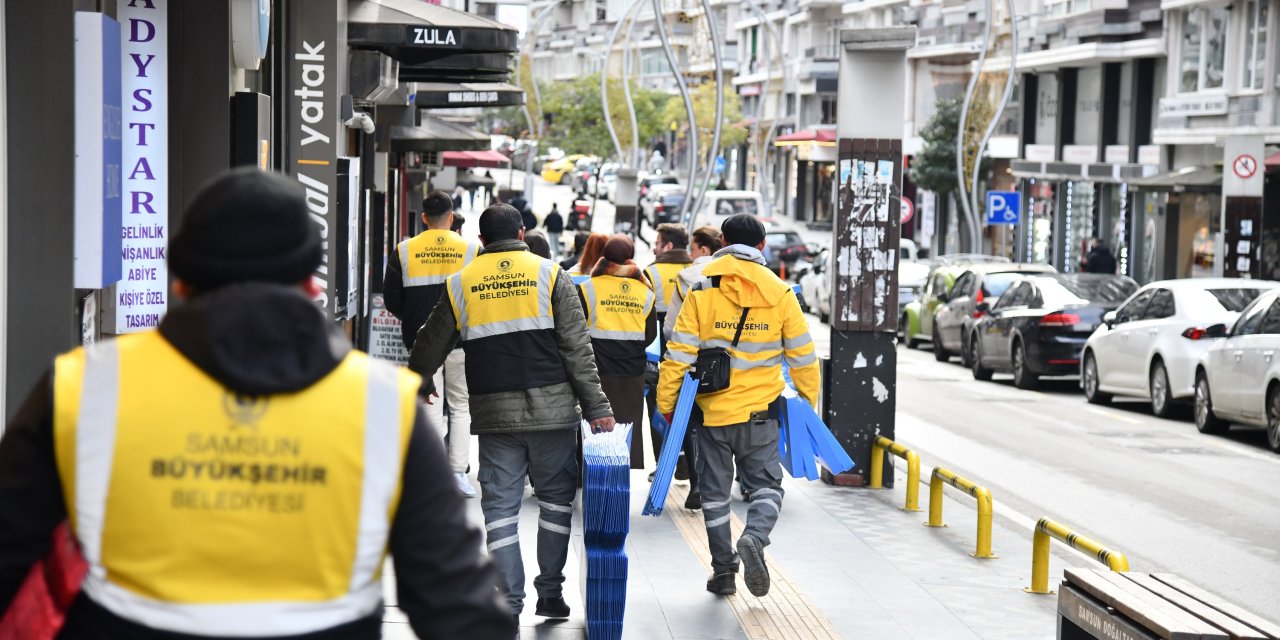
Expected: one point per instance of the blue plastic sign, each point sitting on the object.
(1004, 207)
(719, 168)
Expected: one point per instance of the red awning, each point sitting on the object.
(473, 159)
(809, 135)
(1273, 161)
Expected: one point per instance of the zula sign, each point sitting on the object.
(1003, 207)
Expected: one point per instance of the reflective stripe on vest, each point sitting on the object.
(495, 295)
(664, 276)
(178, 533)
(617, 307)
(432, 256)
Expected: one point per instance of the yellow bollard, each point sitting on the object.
(876, 481)
(981, 494)
(1046, 529)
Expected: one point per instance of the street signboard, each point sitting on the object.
(1003, 207)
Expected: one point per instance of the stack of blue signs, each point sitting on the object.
(672, 443)
(606, 503)
(805, 442)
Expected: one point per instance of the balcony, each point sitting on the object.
(823, 53)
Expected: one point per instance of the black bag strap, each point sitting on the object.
(741, 323)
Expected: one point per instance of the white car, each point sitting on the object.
(815, 286)
(1150, 346)
(718, 205)
(1238, 379)
(599, 185)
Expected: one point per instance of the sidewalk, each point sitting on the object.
(846, 563)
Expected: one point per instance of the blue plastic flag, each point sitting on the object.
(653, 352)
(674, 441)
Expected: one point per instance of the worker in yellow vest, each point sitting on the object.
(671, 256)
(529, 367)
(622, 322)
(414, 282)
(241, 471)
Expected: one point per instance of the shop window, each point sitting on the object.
(1255, 45)
(828, 109)
(1202, 58)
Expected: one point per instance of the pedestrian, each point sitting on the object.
(147, 442)
(579, 243)
(529, 367)
(530, 221)
(458, 192)
(746, 310)
(671, 256)
(538, 244)
(414, 281)
(554, 224)
(1100, 259)
(618, 301)
(489, 188)
(459, 221)
(592, 251)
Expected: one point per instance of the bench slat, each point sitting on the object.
(1095, 618)
(1236, 629)
(1155, 613)
(1271, 629)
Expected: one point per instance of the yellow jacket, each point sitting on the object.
(775, 329)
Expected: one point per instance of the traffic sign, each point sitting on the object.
(1245, 166)
(908, 210)
(1004, 207)
(719, 168)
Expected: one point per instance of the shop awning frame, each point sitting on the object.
(473, 159)
(435, 135)
(1113, 173)
(1193, 179)
(406, 29)
(820, 137)
(447, 95)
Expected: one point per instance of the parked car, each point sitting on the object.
(598, 185)
(646, 181)
(1238, 377)
(783, 247)
(815, 286)
(665, 203)
(1041, 323)
(583, 171)
(718, 205)
(980, 283)
(1150, 347)
(560, 171)
(916, 324)
(912, 277)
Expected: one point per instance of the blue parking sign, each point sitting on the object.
(1004, 207)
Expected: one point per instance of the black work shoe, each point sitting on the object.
(651, 475)
(682, 468)
(552, 608)
(694, 501)
(754, 571)
(723, 584)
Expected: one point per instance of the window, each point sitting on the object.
(963, 286)
(1204, 49)
(828, 109)
(1161, 305)
(1249, 320)
(1135, 308)
(1223, 299)
(1020, 295)
(994, 284)
(1255, 44)
(1271, 323)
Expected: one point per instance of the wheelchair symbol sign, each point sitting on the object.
(1004, 207)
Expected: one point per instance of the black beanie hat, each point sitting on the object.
(743, 228)
(246, 225)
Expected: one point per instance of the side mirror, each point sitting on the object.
(1109, 319)
(982, 307)
(812, 248)
(943, 297)
(1216, 331)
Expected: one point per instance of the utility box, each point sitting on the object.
(627, 194)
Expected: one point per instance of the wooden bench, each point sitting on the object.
(1140, 606)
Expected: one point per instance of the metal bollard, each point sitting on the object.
(878, 448)
(1047, 529)
(979, 493)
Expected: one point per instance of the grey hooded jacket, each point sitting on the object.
(550, 408)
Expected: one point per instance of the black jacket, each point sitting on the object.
(260, 339)
(1100, 260)
(554, 222)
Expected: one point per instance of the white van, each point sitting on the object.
(719, 205)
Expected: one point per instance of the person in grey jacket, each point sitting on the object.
(529, 367)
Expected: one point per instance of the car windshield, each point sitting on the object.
(781, 240)
(995, 284)
(662, 180)
(1106, 291)
(670, 199)
(732, 206)
(1226, 299)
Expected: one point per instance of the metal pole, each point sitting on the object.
(970, 221)
(719, 121)
(763, 174)
(761, 163)
(604, 80)
(995, 121)
(684, 94)
(636, 160)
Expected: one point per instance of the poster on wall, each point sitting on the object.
(142, 293)
(385, 341)
(868, 227)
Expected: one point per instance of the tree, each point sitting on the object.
(733, 131)
(577, 119)
(935, 167)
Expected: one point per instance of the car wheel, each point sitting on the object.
(824, 317)
(1206, 421)
(566, 179)
(1090, 381)
(966, 357)
(1273, 418)
(975, 360)
(1161, 397)
(939, 352)
(911, 342)
(1023, 378)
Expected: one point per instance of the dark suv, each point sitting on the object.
(980, 283)
(783, 249)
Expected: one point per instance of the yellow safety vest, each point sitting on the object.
(617, 307)
(664, 276)
(432, 256)
(203, 512)
(502, 306)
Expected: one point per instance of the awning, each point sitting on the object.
(414, 32)
(460, 67)
(823, 137)
(434, 95)
(1272, 161)
(1111, 173)
(472, 159)
(434, 134)
(1203, 179)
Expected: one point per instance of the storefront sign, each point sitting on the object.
(1207, 105)
(98, 131)
(1041, 153)
(385, 341)
(311, 121)
(1150, 154)
(433, 37)
(1080, 153)
(1117, 154)
(1241, 175)
(472, 97)
(142, 294)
